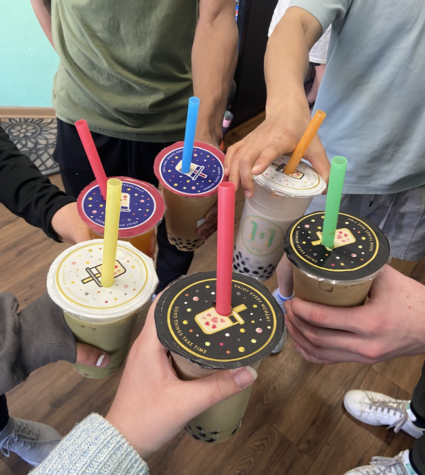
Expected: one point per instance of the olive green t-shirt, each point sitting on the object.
(125, 65)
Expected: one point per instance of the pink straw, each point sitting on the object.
(225, 230)
(91, 151)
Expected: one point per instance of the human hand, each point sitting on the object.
(210, 226)
(390, 324)
(152, 405)
(68, 225)
(279, 134)
(90, 356)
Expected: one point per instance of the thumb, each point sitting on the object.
(91, 356)
(219, 386)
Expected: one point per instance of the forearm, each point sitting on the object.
(31, 339)
(42, 10)
(25, 191)
(214, 56)
(287, 60)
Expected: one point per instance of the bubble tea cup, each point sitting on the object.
(99, 316)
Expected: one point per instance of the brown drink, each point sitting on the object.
(342, 276)
(201, 341)
(188, 196)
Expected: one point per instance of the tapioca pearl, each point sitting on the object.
(210, 440)
(246, 270)
(235, 430)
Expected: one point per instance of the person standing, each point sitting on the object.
(129, 68)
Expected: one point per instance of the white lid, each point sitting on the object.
(73, 281)
(303, 182)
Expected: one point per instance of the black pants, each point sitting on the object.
(4, 412)
(119, 158)
(417, 454)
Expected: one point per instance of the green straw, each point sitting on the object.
(333, 200)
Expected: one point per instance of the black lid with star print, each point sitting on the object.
(188, 325)
(360, 247)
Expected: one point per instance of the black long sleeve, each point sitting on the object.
(25, 191)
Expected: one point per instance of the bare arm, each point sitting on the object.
(287, 111)
(42, 10)
(214, 56)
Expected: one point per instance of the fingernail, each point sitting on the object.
(255, 170)
(247, 193)
(226, 171)
(100, 360)
(244, 377)
(297, 348)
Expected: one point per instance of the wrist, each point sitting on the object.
(291, 105)
(124, 426)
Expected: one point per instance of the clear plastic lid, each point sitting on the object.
(74, 281)
(305, 181)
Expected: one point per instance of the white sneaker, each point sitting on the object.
(32, 441)
(280, 301)
(380, 410)
(399, 465)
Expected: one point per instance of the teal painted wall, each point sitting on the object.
(27, 60)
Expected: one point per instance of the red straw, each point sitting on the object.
(225, 229)
(91, 151)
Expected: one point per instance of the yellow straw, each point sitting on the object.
(305, 141)
(112, 220)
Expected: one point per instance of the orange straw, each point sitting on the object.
(305, 141)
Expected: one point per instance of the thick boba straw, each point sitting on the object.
(333, 200)
(189, 138)
(112, 219)
(92, 154)
(225, 230)
(305, 141)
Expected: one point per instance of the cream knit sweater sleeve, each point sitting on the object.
(93, 447)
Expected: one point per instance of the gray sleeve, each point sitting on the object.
(325, 11)
(93, 446)
(31, 338)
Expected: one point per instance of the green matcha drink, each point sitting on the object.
(102, 317)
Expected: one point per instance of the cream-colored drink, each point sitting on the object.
(278, 200)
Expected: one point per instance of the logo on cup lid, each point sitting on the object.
(76, 279)
(189, 325)
(360, 247)
(205, 174)
(142, 207)
(303, 182)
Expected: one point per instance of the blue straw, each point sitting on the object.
(189, 138)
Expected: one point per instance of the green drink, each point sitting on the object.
(98, 316)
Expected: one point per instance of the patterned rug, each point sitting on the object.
(35, 138)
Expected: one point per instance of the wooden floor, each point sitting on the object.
(295, 423)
